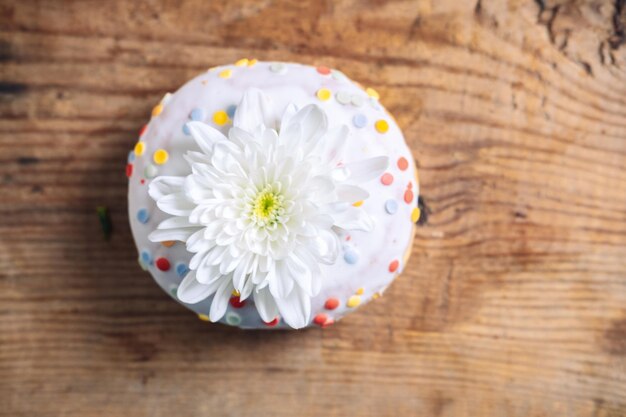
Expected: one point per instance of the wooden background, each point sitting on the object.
(513, 304)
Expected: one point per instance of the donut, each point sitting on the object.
(268, 195)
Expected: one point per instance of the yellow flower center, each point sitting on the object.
(267, 206)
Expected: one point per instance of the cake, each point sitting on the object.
(272, 195)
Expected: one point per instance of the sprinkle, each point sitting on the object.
(393, 266)
(360, 291)
(358, 203)
(391, 206)
(181, 269)
(227, 73)
(357, 100)
(129, 170)
(173, 290)
(331, 304)
(145, 257)
(278, 67)
(415, 214)
(150, 171)
(220, 117)
(140, 147)
(323, 94)
(157, 110)
(272, 323)
(403, 164)
(381, 126)
(235, 293)
(242, 62)
(233, 319)
(143, 216)
(197, 114)
(236, 302)
(337, 75)
(204, 317)
(131, 156)
(408, 196)
(343, 97)
(320, 319)
(142, 181)
(375, 296)
(186, 130)
(105, 221)
(160, 156)
(323, 70)
(372, 93)
(230, 110)
(359, 120)
(163, 264)
(168, 243)
(353, 301)
(252, 62)
(143, 130)
(386, 178)
(328, 323)
(351, 256)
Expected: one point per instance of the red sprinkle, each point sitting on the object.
(320, 319)
(331, 304)
(236, 302)
(323, 70)
(408, 196)
(272, 323)
(386, 179)
(163, 264)
(403, 164)
(143, 130)
(328, 323)
(394, 265)
(142, 181)
(129, 170)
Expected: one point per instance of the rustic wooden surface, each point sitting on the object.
(513, 304)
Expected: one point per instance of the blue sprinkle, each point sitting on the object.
(181, 269)
(197, 114)
(391, 206)
(143, 216)
(146, 257)
(186, 130)
(350, 256)
(230, 111)
(359, 120)
(131, 156)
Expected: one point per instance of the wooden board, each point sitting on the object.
(513, 304)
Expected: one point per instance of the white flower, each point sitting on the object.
(261, 209)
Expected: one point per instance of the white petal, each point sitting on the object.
(220, 300)
(366, 169)
(353, 219)
(254, 110)
(300, 273)
(334, 144)
(205, 135)
(281, 283)
(191, 291)
(207, 274)
(181, 234)
(162, 186)
(351, 193)
(295, 308)
(265, 305)
(312, 121)
(176, 204)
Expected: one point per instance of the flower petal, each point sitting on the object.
(205, 135)
(353, 218)
(220, 300)
(295, 308)
(265, 304)
(351, 193)
(366, 169)
(162, 186)
(176, 204)
(253, 111)
(191, 291)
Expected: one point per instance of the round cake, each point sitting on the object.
(272, 195)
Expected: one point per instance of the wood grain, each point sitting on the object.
(513, 304)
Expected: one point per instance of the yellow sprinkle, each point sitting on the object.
(157, 110)
(242, 62)
(252, 62)
(359, 291)
(375, 296)
(358, 203)
(372, 93)
(212, 69)
(204, 317)
(354, 301)
(415, 214)
(160, 156)
(323, 94)
(139, 148)
(225, 74)
(381, 126)
(168, 243)
(235, 293)
(220, 117)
